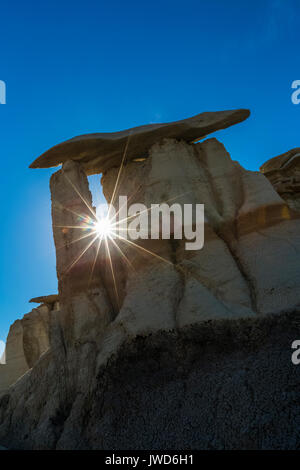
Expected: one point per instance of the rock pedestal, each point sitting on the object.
(155, 346)
(85, 306)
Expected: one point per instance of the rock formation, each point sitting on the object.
(27, 340)
(284, 174)
(154, 346)
(99, 152)
(83, 299)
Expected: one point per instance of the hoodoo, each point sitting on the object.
(146, 336)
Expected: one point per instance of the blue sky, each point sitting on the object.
(94, 66)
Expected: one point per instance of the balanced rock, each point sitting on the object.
(51, 300)
(150, 337)
(99, 152)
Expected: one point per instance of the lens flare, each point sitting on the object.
(103, 227)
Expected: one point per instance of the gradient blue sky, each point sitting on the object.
(93, 66)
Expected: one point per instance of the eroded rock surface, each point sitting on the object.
(176, 349)
(246, 231)
(224, 384)
(27, 340)
(52, 301)
(284, 174)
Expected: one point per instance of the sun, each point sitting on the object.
(103, 230)
(103, 227)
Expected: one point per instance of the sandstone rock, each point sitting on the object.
(179, 349)
(284, 174)
(51, 300)
(224, 384)
(83, 300)
(27, 340)
(99, 152)
(16, 364)
(36, 333)
(284, 160)
(245, 221)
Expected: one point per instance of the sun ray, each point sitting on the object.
(77, 240)
(82, 227)
(128, 199)
(119, 174)
(150, 208)
(112, 271)
(95, 260)
(108, 228)
(60, 207)
(81, 197)
(80, 256)
(123, 255)
(147, 251)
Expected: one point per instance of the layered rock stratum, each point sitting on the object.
(175, 349)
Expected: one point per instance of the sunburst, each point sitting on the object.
(106, 229)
